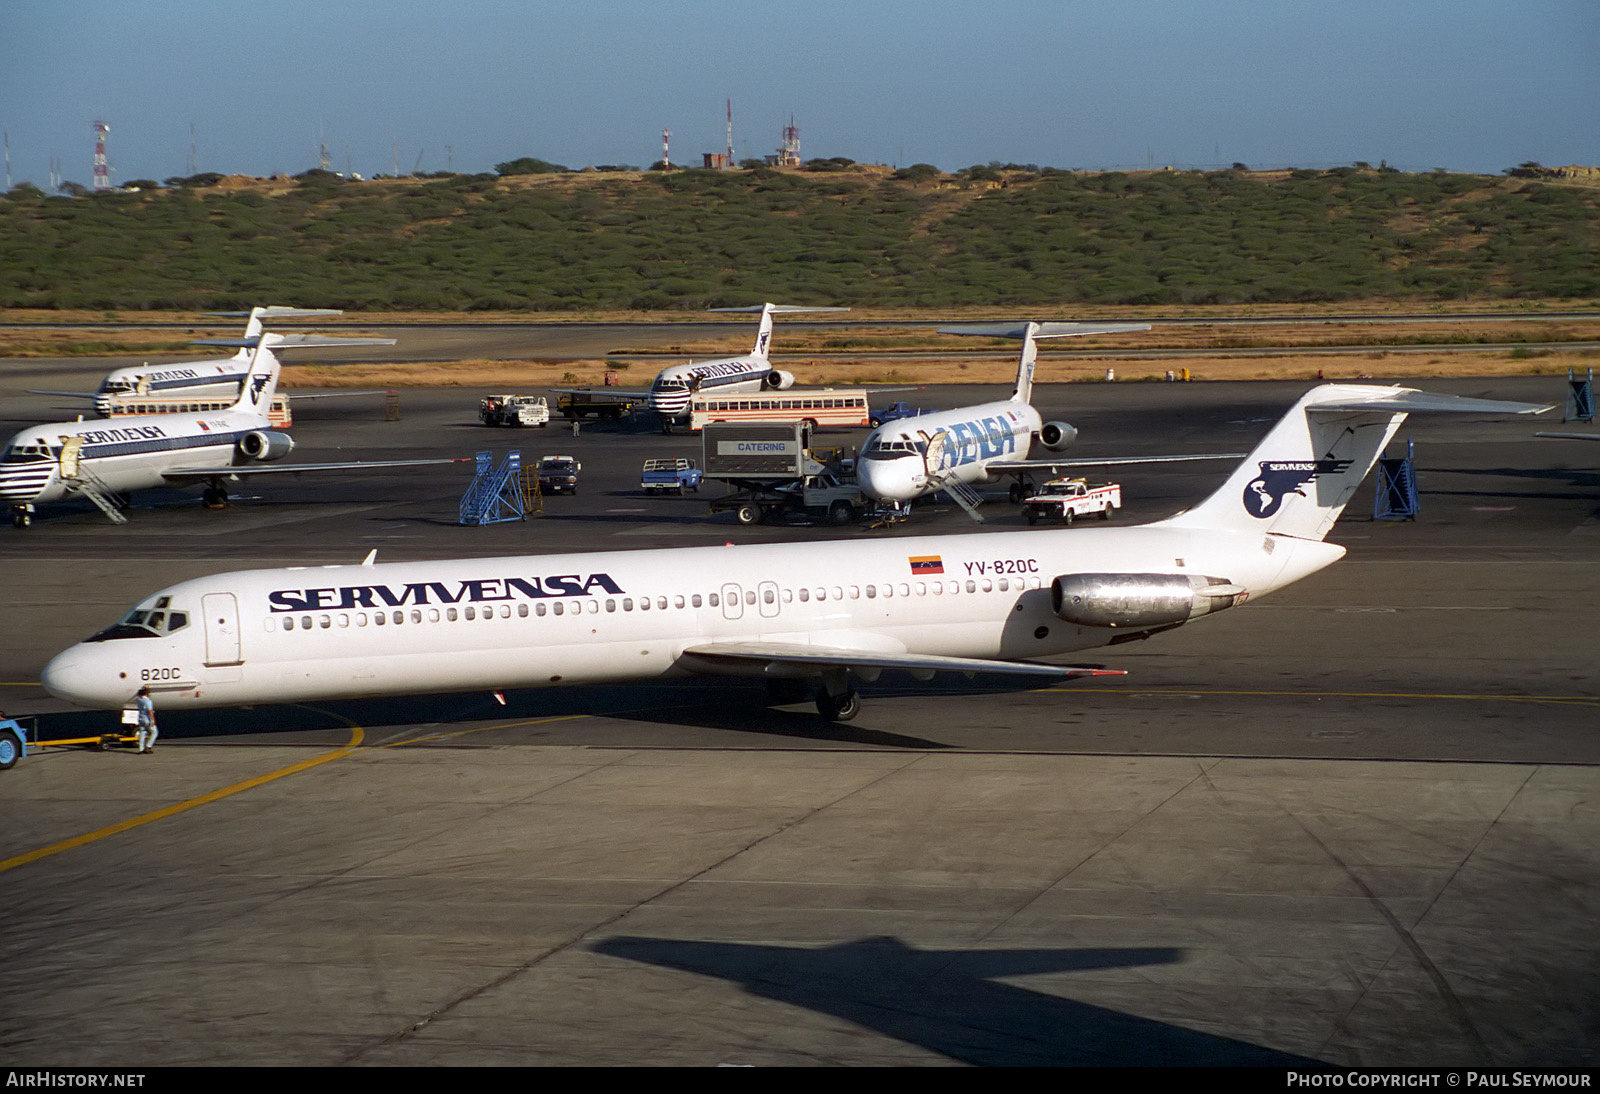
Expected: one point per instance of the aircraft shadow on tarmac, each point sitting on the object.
(949, 1001)
(733, 706)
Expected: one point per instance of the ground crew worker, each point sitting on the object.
(148, 732)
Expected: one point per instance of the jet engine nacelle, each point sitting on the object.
(1139, 600)
(266, 444)
(1057, 435)
(780, 379)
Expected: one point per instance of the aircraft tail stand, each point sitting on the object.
(1396, 496)
(496, 493)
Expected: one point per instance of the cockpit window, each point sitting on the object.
(892, 450)
(145, 623)
(26, 452)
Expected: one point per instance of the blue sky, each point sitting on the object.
(1468, 85)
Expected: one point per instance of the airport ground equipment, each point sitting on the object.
(517, 410)
(497, 494)
(675, 475)
(1580, 398)
(1395, 496)
(772, 474)
(13, 742)
(20, 736)
(576, 405)
(559, 474)
(1065, 500)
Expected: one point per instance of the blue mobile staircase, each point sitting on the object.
(497, 494)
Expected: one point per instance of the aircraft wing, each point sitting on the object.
(331, 394)
(1571, 436)
(715, 657)
(1105, 461)
(66, 394)
(198, 474)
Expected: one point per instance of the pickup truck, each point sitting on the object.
(559, 475)
(676, 475)
(830, 497)
(514, 410)
(1067, 499)
(893, 413)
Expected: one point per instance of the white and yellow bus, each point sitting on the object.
(818, 406)
(118, 405)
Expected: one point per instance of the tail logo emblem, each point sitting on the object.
(1264, 494)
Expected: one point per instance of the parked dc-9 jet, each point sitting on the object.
(953, 450)
(794, 614)
(105, 461)
(212, 380)
(673, 387)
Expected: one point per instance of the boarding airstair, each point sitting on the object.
(497, 494)
(85, 482)
(961, 493)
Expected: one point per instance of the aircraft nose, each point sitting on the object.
(885, 480)
(74, 676)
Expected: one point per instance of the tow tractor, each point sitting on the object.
(20, 736)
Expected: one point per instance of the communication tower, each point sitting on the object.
(730, 133)
(102, 173)
(789, 150)
(666, 154)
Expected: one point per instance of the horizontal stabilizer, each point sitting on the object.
(277, 312)
(1042, 330)
(291, 341)
(780, 654)
(773, 309)
(1405, 401)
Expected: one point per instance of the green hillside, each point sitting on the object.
(862, 236)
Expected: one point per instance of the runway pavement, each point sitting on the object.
(1353, 823)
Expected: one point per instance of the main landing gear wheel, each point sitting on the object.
(215, 497)
(1015, 493)
(839, 708)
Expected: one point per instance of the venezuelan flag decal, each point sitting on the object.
(926, 564)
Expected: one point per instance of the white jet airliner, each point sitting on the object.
(786, 612)
(101, 460)
(192, 381)
(952, 450)
(673, 387)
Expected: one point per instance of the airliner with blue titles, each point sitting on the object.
(105, 462)
(802, 616)
(953, 450)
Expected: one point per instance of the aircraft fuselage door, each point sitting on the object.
(71, 453)
(732, 602)
(221, 613)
